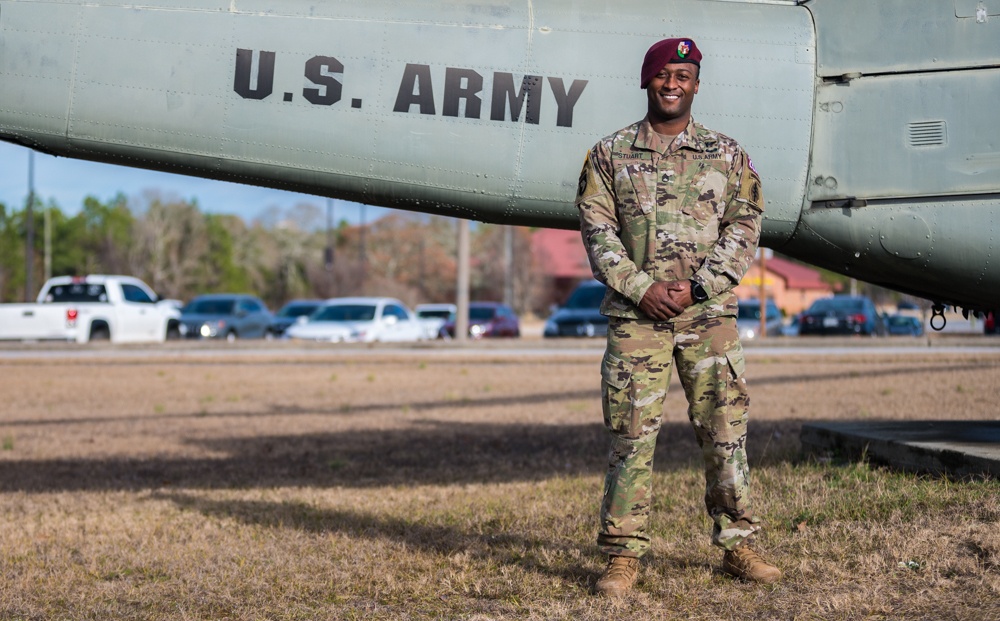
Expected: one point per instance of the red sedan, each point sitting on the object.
(487, 320)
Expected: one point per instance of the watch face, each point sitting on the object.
(698, 293)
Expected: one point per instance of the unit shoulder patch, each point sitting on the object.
(581, 189)
(750, 188)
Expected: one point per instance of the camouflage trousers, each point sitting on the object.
(635, 376)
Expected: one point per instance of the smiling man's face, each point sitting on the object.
(670, 94)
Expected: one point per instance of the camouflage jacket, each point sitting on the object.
(651, 211)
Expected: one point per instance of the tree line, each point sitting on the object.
(282, 254)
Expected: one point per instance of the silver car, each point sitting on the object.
(225, 316)
(359, 320)
(748, 319)
(433, 317)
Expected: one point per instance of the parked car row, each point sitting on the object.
(233, 316)
(855, 315)
(357, 319)
(124, 309)
(580, 316)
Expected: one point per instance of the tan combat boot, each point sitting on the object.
(618, 577)
(744, 562)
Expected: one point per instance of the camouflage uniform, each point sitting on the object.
(652, 211)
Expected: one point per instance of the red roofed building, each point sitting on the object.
(562, 263)
(792, 286)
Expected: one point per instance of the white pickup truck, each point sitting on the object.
(82, 309)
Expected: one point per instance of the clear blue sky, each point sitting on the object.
(69, 181)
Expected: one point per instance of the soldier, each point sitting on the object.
(670, 214)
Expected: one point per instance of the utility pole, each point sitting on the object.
(508, 265)
(421, 268)
(29, 246)
(363, 249)
(48, 242)
(462, 285)
(328, 255)
(762, 267)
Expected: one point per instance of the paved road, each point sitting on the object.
(526, 347)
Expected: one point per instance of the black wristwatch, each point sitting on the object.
(698, 292)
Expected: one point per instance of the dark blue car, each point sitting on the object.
(581, 315)
(289, 314)
(842, 314)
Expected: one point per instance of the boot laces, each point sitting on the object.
(748, 557)
(621, 566)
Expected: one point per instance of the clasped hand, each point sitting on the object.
(666, 300)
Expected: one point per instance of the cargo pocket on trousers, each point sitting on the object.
(737, 400)
(616, 386)
(737, 363)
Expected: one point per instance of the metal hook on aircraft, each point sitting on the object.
(938, 311)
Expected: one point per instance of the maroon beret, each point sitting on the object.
(668, 51)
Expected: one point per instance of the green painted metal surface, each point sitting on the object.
(870, 123)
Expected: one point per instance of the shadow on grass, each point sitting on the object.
(428, 453)
(482, 541)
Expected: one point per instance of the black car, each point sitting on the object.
(581, 315)
(289, 314)
(842, 314)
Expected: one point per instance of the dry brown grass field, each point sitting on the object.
(432, 485)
